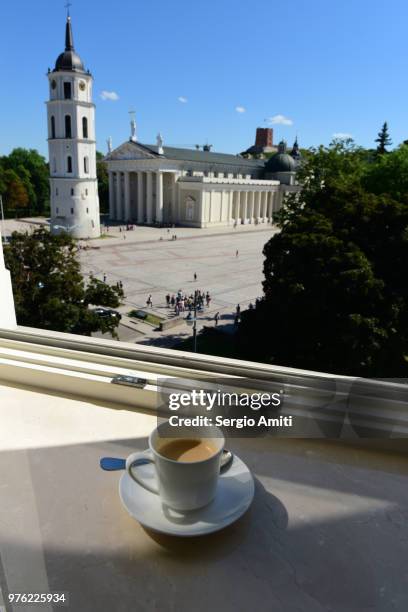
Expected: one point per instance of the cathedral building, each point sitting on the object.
(72, 145)
(157, 184)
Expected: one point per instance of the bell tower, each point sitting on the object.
(72, 146)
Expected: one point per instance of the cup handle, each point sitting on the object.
(140, 458)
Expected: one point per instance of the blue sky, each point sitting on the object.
(317, 67)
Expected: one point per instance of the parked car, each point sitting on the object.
(104, 313)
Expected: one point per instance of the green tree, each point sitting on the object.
(14, 190)
(335, 294)
(49, 289)
(33, 170)
(383, 139)
(389, 174)
(103, 182)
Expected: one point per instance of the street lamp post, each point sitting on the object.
(193, 321)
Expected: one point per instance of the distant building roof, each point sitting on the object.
(281, 161)
(198, 155)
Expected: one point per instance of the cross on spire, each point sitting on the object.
(67, 5)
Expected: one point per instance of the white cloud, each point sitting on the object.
(342, 135)
(280, 120)
(109, 95)
(182, 99)
(240, 109)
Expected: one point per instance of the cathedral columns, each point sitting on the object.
(159, 197)
(126, 216)
(112, 203)
(250, 207)
(271, 205)
(118, 198)
(140, 208)
(265, 210)
(235, 206)
(268, 195)
(243, 206)
(149, 197)
(230, 213)
(174, 203)
(257, 206)
(262, 205)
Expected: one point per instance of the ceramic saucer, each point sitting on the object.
(234, 496)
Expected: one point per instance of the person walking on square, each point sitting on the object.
(149, 301)
(238, 310)
(104, 278)
(173, 300)
(195, 277)
(236, 253)
(168, 300)
(216, 317)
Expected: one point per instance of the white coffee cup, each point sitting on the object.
(181, 485)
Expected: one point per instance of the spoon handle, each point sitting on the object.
(112, 463)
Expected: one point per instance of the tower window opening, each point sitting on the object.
(54, 165)
(72, 211)
(52, 126)
(69, 164)
(68, 130)
(84, 127)
(72, 191)
(86, 165)
(56, 191)
(86, 192)
(67, 91)
(87, 211)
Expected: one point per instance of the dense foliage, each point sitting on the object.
(24, 183)
(103, 183)
(335, 291)
(49, 289)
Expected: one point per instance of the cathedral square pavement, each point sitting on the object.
(147, 265)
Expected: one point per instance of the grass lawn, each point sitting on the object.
(146, 317)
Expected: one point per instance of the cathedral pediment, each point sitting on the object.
(130, 150)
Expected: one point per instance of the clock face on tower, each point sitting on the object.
(53, 83)
(82, 85)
